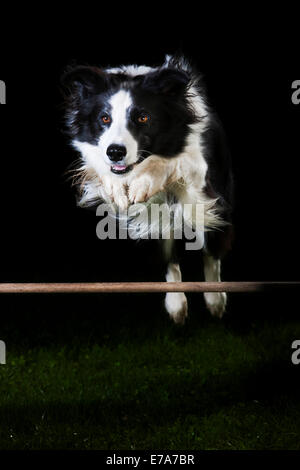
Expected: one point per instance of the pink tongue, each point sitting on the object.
(119, 167)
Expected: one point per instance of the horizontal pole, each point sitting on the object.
(131, 287)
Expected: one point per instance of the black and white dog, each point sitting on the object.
(143, 131)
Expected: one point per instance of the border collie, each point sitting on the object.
(142, 131)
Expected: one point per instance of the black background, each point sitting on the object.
(249, 62)
(249, 59)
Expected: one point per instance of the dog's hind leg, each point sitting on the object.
(217, 244)
(215, 301)
(175, 302)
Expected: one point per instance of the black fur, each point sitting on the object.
(219, 184)
(161, 94)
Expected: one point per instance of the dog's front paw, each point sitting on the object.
(122, 202)
(143, 188)
(117, 191)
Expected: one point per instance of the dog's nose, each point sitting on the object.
(116, 152)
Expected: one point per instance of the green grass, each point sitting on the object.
(132, 380)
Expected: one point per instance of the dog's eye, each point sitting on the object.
(143, 118)
(105, 119)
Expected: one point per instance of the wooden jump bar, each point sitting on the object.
(131, 287)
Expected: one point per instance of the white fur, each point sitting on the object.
(175, 302)
(132, 70)
(117, 132)
(215, 301)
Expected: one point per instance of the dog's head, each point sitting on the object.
(118, 117)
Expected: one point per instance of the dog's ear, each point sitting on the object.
(84, 80)
(167, 81)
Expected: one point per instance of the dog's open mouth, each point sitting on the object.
(119, 169)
